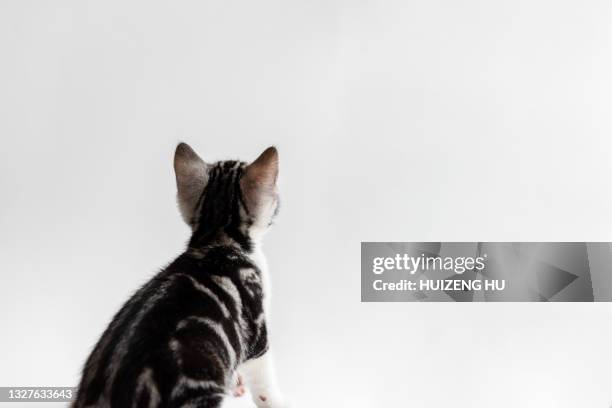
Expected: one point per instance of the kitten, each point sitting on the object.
(182, 339)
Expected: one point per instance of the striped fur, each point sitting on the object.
(180, 339)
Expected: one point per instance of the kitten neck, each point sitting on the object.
(200, 242)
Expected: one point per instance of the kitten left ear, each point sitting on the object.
(191, 178)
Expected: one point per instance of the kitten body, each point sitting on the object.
(182, 339)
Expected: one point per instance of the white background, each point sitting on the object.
(407, 121)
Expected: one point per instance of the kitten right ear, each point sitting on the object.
(258, 185)
(191, 178)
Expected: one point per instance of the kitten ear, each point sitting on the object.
(191, 178)
(264, 170)
(259, 180)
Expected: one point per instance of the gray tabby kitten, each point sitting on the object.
(186, 336)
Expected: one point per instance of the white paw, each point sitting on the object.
(239, 389)
(265, 401)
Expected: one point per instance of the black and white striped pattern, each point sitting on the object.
(181, 337)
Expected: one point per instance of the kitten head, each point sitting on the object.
(227, 198)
